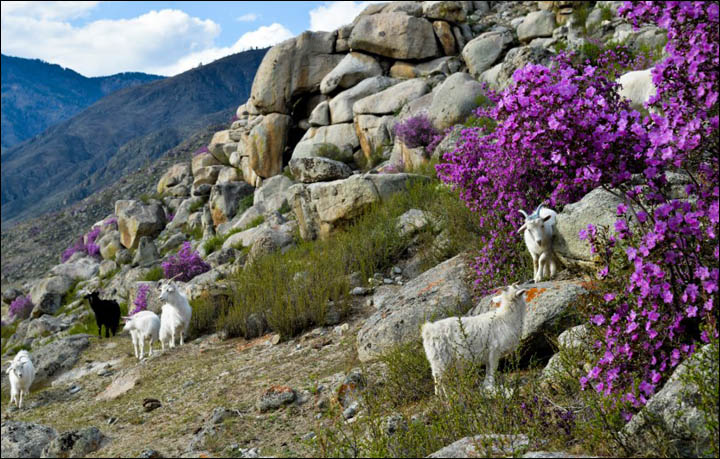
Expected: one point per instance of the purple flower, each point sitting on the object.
(185, 265)
(21, 307)
(416, 131)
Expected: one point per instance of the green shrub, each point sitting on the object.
(195, 206)
(257, 221)
(154, 274)
(245, 203)
(206, 311)
(214, 243)
(196, 233)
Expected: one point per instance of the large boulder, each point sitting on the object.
(394, 35)
(109, 244)
(447, 11)
(47, 294)
(183, 212)
(445, 65)
(341, 106)
(311, 170)
(82, 269)
(266, 143)
(25, 439)
(57, 357)
(391, 99)
(272, 195)
(136, 219)
(217, 146)
(174, 176)
(673, 410)
(536, 24)
(229, 174)
(207, 175)
(516, 58)
(281, 235)
(374, 133)
(482, 52)
(354, 68)
(342, 136)
(75, 443)
(551, 309)
(487, 445)
(291, 68)
(320, 116)
(599, 208)
(435, 294)
(444, 34)
(146, 253)
(225, 198)
(454, 100)
(203, 160)
(320, 207)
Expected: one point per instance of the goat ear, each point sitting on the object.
(522, 228)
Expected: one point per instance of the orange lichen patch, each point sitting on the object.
(253, 342)
(533, 293)
(278, 390)
(429, 286)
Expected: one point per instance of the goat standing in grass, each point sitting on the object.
(484, 338)
(21, 373)
(176, 314)
(539, 228)
(142, 325)
(107, 312)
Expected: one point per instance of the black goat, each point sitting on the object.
(107, 312)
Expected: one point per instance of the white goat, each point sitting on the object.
(638, 87)
(176, 314)
(21, 373)
(142, 325)
(539, 228)
(484, 338)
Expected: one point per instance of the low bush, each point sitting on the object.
(20, 308)
(185, 265)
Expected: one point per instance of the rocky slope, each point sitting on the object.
(119, 133)
(37, 94)
(313, 152)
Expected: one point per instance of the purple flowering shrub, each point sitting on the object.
(85, 244)
(21, 307)
(417, 131)
(140, 301)
(560, 133)
(185, 265)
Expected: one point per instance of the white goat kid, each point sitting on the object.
(176, 314)
(539, 228)
(142, 325)
(21, 373)
(484, 338)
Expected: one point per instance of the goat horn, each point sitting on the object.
(523, 212)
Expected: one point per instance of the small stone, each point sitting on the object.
(341, 329)
(150, 454)
(308, 436)
(75, 389)
(350, 411)
(275, 397)
(397, 270)
(188, 384)
(112, 420)
(360, 291)
(150, 404)
(387, 281)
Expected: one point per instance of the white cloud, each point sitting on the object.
(335, 14)
(260, 38)
(250, 17)
(164, 42)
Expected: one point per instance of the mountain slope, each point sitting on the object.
(120, 133)
(37, 95)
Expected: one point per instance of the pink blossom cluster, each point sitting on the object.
(185, 265)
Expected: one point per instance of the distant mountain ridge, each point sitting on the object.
(120, 133)
(37, 94)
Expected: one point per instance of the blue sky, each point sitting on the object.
(165, 38)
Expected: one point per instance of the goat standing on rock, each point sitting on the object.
(485, 337)
(539, 228)
(176, 314)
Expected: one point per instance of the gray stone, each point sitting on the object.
(375, 134)
(291, 68)
(394, 35)
(517, 58)
(536, 24)
(673, 410)
(320, 207)
(454, 100)
(275, 397)
(342, 136)
(265, 144)
(146, 253)
(25, 439)
(411, 222)
(202, 160)
(174, 176)
(272, 195)
(444, 34)
(409, 8)
(218, 141)
(109, 244)
(552, 454)
(46, 325)
(47, 294)
(354, 68)
(320, 115)
(551, 309)
(136, 220)
(221, 257)
(437, 293)
(598, 207)
(341, 106)
(206, 176)
(447, 11)
(445, 65)
(391, 99)
(488, 445)
(224, 200)
(183, 212)
(82, 269)
(9, 294)
(173, 242)
(57, 357)
(483, 52)
(229, 174)
(75, 443)
(311, 170)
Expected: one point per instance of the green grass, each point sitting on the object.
(214, 243)
(195, 206)
(196, 233)
(245, 203)
(71, 295)
(147, 197)
(154, 274)
(7, 332)
(257, 221)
